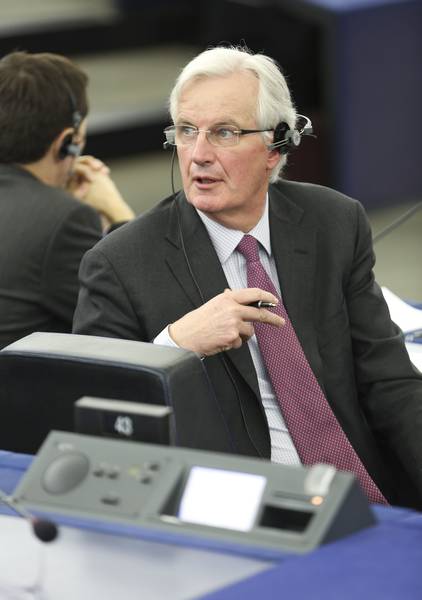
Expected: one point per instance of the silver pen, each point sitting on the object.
(262, 304)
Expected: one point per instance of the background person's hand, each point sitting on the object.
(84, 170)
(91, 183)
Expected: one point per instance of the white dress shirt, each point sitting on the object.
(233, 263)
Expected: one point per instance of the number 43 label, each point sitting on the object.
(123, 425)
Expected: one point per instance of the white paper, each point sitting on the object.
(20, 560)
(407, 317)
(220, 498)
(415, 354)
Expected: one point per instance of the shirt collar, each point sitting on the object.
(225, 240)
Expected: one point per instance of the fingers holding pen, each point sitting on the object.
(257, 305)
(225, 322)
(265, 315)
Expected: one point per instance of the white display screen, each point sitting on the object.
(220, 498)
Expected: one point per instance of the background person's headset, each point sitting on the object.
(69, 147)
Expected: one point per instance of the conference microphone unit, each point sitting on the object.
(182, 495)
(44, 530)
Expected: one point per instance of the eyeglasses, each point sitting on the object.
(221, 136)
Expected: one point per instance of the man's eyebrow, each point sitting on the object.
(221, 123)
(184, 122)
(227, 122)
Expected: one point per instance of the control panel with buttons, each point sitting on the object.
(163, 488)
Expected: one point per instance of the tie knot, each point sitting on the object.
(248, 246)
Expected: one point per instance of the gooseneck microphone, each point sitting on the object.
(44, 530)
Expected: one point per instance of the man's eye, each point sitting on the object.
(224, 133)
(187, 131)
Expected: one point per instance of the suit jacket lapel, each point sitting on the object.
(207, 272)
(293, 242)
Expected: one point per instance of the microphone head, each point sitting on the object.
(46, 531)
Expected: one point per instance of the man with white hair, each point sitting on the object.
(317, 374)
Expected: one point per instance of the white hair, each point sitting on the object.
(274, 100)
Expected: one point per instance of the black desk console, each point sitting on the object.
(178, 491)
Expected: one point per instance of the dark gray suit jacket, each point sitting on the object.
(44, 232)
(136, 281)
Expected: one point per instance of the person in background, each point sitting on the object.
(54, 203)
(320, 374)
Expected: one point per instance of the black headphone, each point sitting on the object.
(69, 147)
(286, 139)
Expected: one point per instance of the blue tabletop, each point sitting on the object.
(12, 467)
(378, 563)
(350, 5)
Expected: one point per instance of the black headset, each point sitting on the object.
(69, 147)
(286, 139)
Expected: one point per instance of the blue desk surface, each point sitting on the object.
(350, 5)
(382, 562)
(12, 467)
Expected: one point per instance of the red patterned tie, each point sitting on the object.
(316, 433)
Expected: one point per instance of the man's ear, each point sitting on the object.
(61, 147)
(272, 158)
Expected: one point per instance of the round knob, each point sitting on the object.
(65, 473)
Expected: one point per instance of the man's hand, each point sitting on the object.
(224, 322)
(84, 171)
(91, 183)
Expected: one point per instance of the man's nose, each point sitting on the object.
(202, 150)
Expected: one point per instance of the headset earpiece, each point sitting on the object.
(280, 135)
(293, 139)
(286, 139)
(69, 148)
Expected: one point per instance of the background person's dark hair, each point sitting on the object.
(38, 96)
